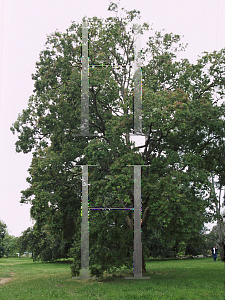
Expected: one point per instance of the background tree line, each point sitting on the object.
(44, 246)
(8, 243)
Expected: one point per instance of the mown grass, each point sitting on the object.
(178, 279)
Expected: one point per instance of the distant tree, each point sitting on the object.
(10, 245)
(26, 241)
(214, 237)
(3, 232)
(42, 244)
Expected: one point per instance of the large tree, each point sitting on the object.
(180, 117)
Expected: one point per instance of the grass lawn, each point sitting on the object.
(174, 279)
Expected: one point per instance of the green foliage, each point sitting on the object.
(10, 244)
(182, 118)
(112, 247)
(156, 246)
(212, 238)
(3, 232)
(42, 244)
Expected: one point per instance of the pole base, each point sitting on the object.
(137, 277)
(84, 277)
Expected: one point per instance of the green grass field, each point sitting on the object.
(174, 279)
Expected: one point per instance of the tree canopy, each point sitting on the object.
(182, 118)
(8, 243)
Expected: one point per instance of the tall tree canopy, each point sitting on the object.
(182, 117)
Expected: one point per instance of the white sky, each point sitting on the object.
(24, 25)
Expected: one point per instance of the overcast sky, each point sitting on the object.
(24, 25)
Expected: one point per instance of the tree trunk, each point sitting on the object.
(221, 243)
(143, 263)
(220, 227)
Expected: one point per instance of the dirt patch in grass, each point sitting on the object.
(59, 285)
(5, 280)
